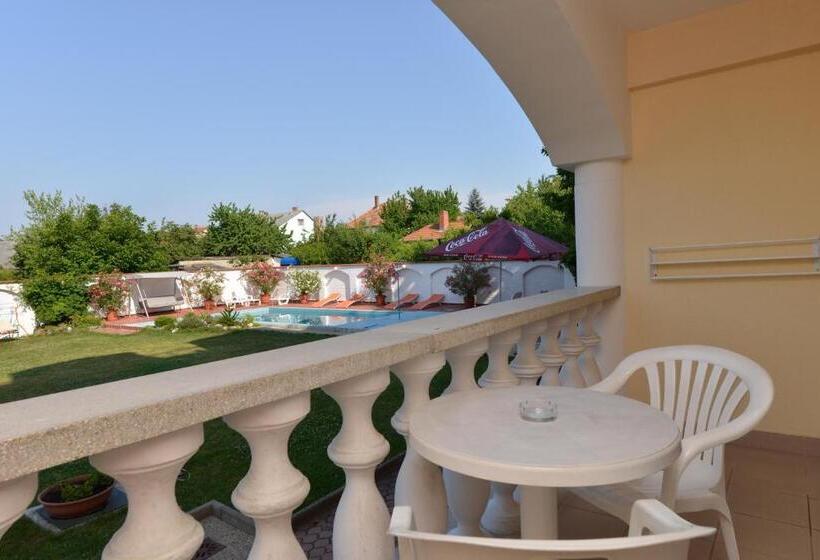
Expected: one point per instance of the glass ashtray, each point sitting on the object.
(538, 410)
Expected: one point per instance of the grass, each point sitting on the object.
(59, 362)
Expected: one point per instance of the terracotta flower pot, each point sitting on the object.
(210, 305)
(112, 315)
(50, 499)
(264, 299)
(469, 301)
(303, 298)
(381, 300)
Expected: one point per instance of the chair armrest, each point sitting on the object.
(653, 516)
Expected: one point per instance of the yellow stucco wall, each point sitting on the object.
(730, 155)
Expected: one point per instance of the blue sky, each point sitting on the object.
(171, 106)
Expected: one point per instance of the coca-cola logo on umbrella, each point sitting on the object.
(527, 240)
(469, 238)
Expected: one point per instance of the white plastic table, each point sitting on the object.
(596, 439)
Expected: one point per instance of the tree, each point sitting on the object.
(395, 214)
(547, 207)
(234, 231)
(425, 205)
(179, 242)
(475, 204)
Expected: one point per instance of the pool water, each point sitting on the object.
(341, 320)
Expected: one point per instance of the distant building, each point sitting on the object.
(437, 230)
(6, 252)
(298, 223)
(372, 219)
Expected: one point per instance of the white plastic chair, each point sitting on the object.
(702, 388)
(669, 540)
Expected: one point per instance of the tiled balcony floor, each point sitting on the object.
(775, 500)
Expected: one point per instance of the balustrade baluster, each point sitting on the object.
(591, 340)
(362, 519)
(498, 373)
(527, 366)
(572, 347)
(462, 360)
(272, 488)
(501, 516)
(15, 496)
(419, 483)
(466, 496)
(549, 350)
(155, 526)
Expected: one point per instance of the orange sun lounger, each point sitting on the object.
(435, 299)
(330, 298)
(405, 300)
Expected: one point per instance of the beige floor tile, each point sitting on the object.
(814, 516)
(778, 471)
(815, 539)
(762, 501)
(574, 523)
(768, 539)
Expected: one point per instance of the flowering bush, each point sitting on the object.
(264, 276)
(378, 274)
(467, 280)
(109, 292)
(208, 283)
(305, 282)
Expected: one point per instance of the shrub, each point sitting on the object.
(264, 275)
(229, 318)
(85, 321)
(378, 274)
(55, 298)
(165, 322)
(208, 283)
(192, 321)
(305, 282)
(71, 491)
(109, 292)
(467, 279)
(8, 275)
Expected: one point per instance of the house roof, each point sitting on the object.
(434, 231)
(282, 218)
(371, 218)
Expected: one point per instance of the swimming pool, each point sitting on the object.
(331, 320)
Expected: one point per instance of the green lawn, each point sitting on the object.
(47, 364)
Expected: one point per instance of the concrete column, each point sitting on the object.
(599, 241)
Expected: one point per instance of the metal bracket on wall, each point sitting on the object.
(743, 259)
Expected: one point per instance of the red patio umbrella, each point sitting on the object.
(501, 240)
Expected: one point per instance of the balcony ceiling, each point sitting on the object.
(636, 15)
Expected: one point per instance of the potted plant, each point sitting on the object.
(467, 280)
(108, 294)
(305, 282)
(208, 283)
(378, 275)
(265, 276)
(77, 496)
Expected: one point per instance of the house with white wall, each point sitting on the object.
(298, 223)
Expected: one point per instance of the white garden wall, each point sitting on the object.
(14, 311)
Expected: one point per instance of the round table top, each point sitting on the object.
(596, 439)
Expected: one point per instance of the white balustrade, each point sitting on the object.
(549, 351)
(272, 488)
(527, 366)
(362, 519)
(419, 483)
(155, 526)
(265, 395)
(591, 340)
(572, 347)
(15, 496)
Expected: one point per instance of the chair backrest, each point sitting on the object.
(702, 388)
(669, 540)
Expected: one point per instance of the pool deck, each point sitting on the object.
(133, 323)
